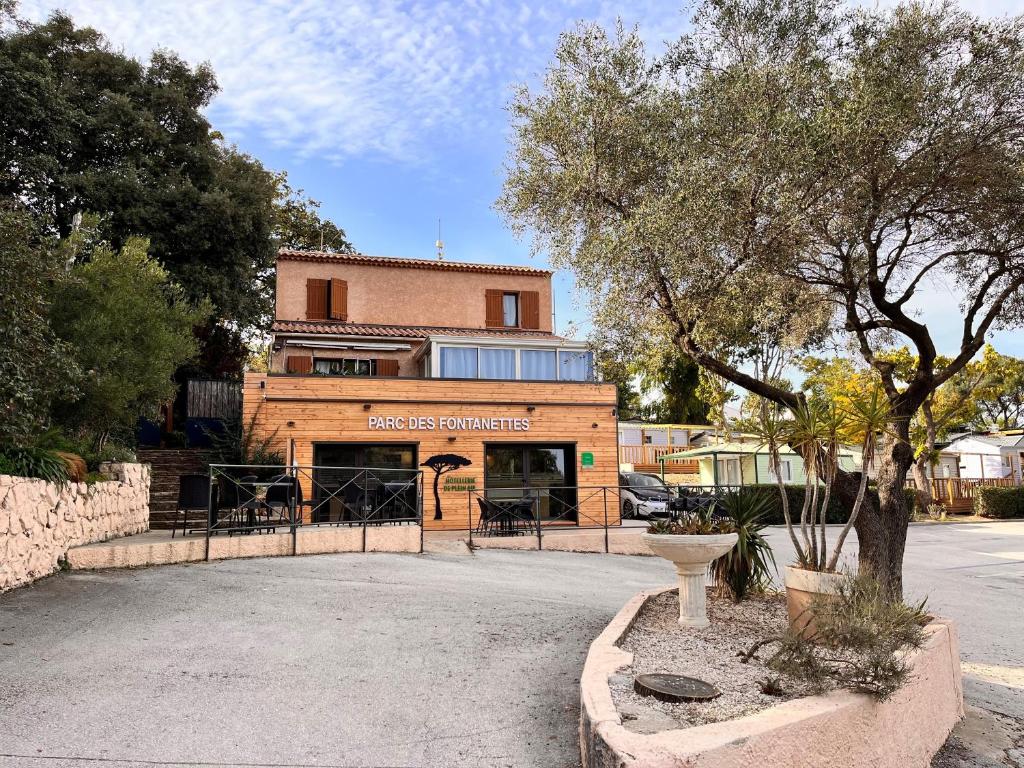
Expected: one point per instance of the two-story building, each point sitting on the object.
(385, 362)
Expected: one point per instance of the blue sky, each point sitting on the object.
(392, 113)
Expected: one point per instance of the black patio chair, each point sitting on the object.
(495, 519)
(193, 496)
(237, 497)
(283, 495)
(523, 517)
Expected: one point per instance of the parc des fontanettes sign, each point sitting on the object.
(455, 423)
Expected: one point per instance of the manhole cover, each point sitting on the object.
(674, 687)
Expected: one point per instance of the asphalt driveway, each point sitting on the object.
(381, 660)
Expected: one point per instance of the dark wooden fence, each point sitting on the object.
(214, 399)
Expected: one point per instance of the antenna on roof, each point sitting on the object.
(440, 243)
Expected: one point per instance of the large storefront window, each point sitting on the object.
(352, 479)
(545, 474)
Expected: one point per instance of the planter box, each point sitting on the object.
(839, 730)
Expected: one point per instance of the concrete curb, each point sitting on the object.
(840, 729)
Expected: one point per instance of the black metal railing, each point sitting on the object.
(547, 510)
(248, 499)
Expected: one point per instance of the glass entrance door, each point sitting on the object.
(544, 473)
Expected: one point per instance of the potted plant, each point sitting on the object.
(817, 431)
(691, 544)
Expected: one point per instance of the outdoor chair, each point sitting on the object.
(523, 518)
(353, 502)
(496, 519)
(238, 499)
(283, 495)
(193, 496)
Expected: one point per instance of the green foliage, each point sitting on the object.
(86, 128)
(860, 640)
(694, 524)
(677, 378)
(999, 503)
(129, 328)
(114, 449)
(749, 566)
(35, 366)
(33, 462)
(242, 444)
(298, 225)
(836, 512)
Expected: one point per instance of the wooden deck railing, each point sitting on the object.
(958, 493)
(649, 455)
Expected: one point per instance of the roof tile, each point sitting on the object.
(393, 261)
(400, 331)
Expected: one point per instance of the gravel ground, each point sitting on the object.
(659, 644)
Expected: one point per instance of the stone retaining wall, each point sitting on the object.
(840, 729)
(41, 521)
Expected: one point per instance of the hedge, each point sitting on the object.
(835, 513)
(1001, 503)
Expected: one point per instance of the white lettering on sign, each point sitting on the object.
(453, 423)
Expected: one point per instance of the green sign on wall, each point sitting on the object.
(459, 483)
(587, 460)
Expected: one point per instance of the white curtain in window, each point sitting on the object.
(458, 362)
(575, 366)
(497, 364)
(537, 365)
(510, 309)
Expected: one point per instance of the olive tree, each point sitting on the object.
(789, 154)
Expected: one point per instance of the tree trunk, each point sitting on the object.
(882, 528)
(437, 496)
(921, 481)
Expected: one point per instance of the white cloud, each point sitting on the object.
(358, 78)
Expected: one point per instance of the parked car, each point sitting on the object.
(645, 496)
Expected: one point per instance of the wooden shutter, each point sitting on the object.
(494, 316)
(299, 364)
(339, 299)
(387, 367)
(316, 299)
(529, 309)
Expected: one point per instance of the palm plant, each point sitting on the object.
(748, 566)
(816, 431)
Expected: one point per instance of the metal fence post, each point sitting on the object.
(209, 517)
(419, 506)
(469, 516)
(540, 540)
(604, 493)
(292, 507)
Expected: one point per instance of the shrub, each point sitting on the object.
(860, 641)
(835, 515)
(84, 445)
(999, 503)
(748, 566)
(33, 462)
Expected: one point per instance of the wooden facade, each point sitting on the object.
(304, 410)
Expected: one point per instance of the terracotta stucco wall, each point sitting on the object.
(330, 409)
(388, 295)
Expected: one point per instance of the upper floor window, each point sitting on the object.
(326, 299)
(343, 367)
(508, 364)
(510, 309)
(575, 366)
